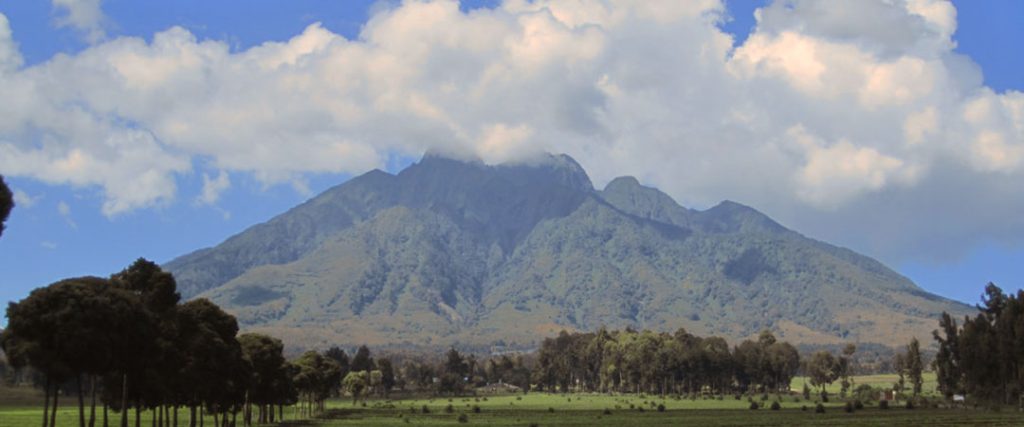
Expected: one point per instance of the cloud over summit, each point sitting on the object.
(840, 118)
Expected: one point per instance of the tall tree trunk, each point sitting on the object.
(92, 407)
(152, 421)
(192, 416)
(216, 420)
(138, 414)
(175, 415)
(53, 411)
(81, 402)
(46, 403)
(201, 421)
(124, 399)
(105, 407)
(234, 416)
(270, 412)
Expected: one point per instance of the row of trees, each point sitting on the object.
(631, 361)
(984, 357)
(129, 341)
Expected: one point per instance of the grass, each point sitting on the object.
(885, 381)
(581, 410)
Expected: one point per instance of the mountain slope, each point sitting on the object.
(452, 252)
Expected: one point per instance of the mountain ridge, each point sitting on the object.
(452, 252)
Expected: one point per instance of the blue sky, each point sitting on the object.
(89, 225)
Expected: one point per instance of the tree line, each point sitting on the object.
(652, 362)
(128, 342)
(983, 358)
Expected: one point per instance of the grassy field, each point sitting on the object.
(585, 410)
(884, 381)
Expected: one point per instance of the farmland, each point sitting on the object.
(582, 410)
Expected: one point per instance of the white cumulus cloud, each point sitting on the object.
(86, 16)
(853, 121)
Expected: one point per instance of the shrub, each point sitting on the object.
(534, 425)
(425, 409)
(476, 409)
(607, 411)
(883, 404)
(632, 406)
(910, 404)
(807, 392)
(764, 397)
(550, 409)
(753, 405)
(824, 396)
(463, 418)
(738, 397)
(776, 406)
(857, 404)
(803, 408)
(640, 408)
(449, 409)
(848, 407)
(519, 397)
(661, 407)
(820, 409)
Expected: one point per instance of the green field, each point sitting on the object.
(884, 381)
(584, 410)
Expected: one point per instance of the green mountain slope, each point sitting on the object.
(460, 253)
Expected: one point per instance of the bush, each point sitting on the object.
(534, 425)
(807, 392)
(550, 409)
(661, 407)
(607, 411)
(449, 409)
(803, 408)
(883, 404)
(425, 409)
(848, 407)
(820, 409)
(764, 397)
(738, 397)
(463, 418)
(476, 409)
(519, 397)
(824, 396)
(910, 404)
(857, 404)
(776, 406)
(753, 405)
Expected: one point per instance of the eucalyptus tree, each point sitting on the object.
(6, 203)
(74, 328)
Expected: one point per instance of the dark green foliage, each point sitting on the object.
(819, 409)
(463, 418)
(857, 404)
(909, 404)
(661, 407)
(883, 404)
(476, 409)
(776, 406)
(449, 409)
(848, 407)
(983, 358)
(6, 203)
(607, 411)
(425, 409)
(754, 405)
